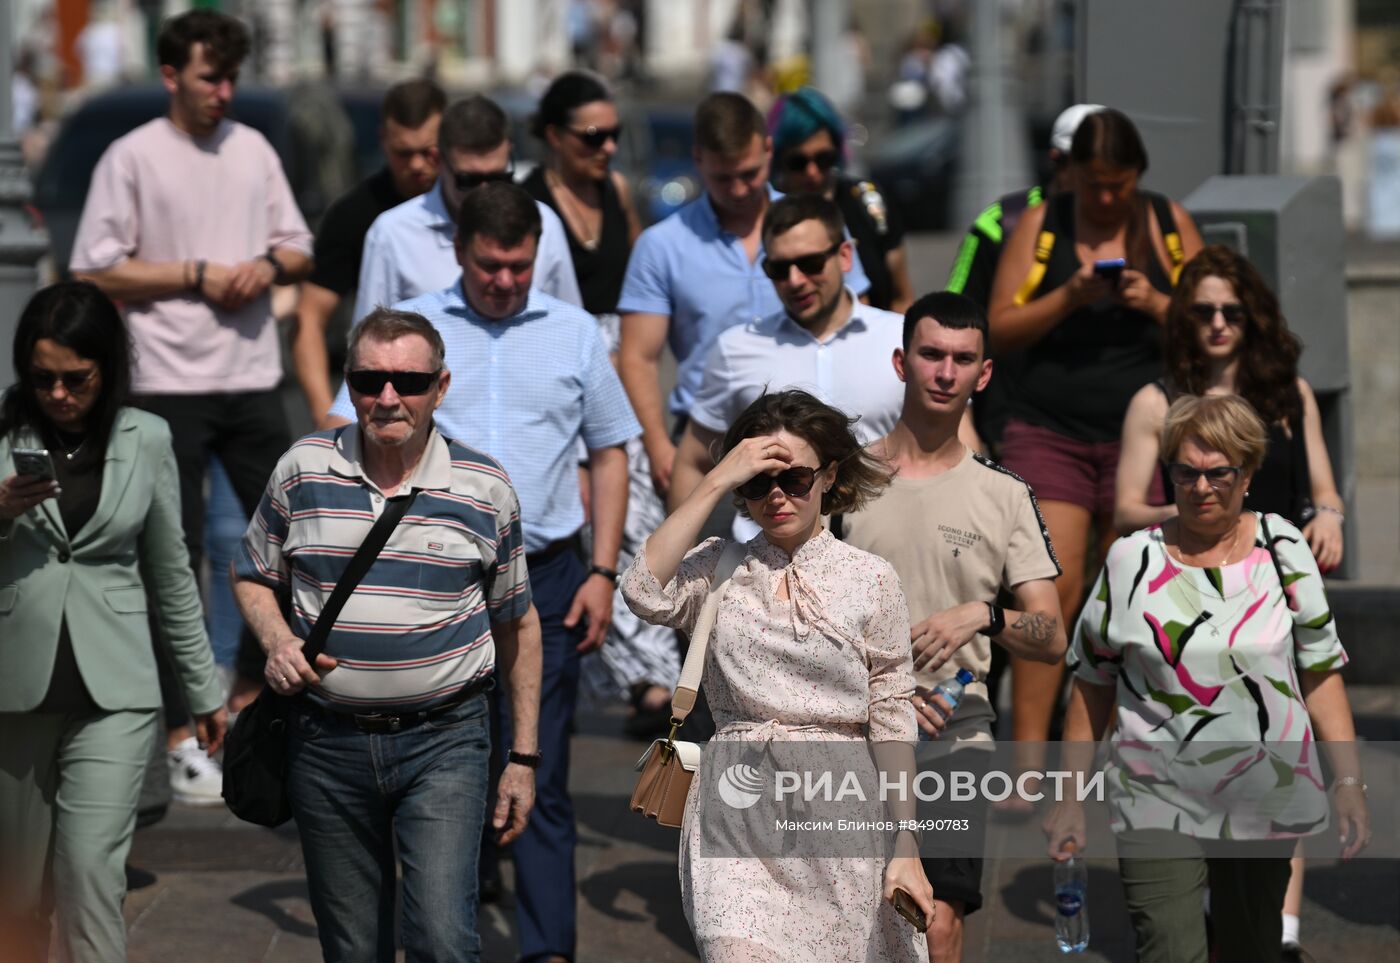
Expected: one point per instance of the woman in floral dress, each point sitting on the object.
(811, 642)
(1211, 635)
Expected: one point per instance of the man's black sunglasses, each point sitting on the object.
(72, 380)
(470, 180)
(808, 264)
(596, 137)
(405, 383)
(796, 482)
(824, 159)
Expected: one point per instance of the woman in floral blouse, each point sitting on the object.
(1211, 636)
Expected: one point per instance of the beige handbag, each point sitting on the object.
(668, 766)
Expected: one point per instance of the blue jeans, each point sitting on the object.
(356, 796)
(224, 524)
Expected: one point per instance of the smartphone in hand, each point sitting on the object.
(905, 906)
(34, 463)
(1110, 269)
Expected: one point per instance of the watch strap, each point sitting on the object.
(997, 620)
(608, 573)
(531, 760)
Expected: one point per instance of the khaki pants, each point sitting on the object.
(68, 792)
(1164, 897)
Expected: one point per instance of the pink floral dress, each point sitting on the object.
(831, 661)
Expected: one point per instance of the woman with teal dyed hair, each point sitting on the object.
(809, 141)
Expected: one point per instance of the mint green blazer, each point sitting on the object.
(98, 582)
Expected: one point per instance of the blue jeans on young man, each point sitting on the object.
(545, 895)
(357, 797)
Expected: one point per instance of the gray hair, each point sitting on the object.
(387, 324)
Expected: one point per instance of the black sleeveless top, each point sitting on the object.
(1079, 378)
(601, 270)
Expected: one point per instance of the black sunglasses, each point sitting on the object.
(824, 159)
(1184, 476)
(1205, 313)
(405, 383)
(796, 482)
(596, 137)
(72, 380)
(808, 264)
(469, 180)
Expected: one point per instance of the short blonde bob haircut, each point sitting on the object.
(1226, 423)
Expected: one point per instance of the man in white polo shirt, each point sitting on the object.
(824, 341)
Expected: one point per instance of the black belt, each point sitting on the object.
(397, 721)
(554, 549)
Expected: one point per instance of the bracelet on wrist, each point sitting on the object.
(1341, 516)
(199, 267)
(608, 573)
(1349, 781)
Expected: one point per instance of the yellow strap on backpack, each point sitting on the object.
(1176, 253)
(1044, 243)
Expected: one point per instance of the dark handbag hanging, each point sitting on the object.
(255, 751)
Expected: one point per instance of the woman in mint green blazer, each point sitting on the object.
(80, 554)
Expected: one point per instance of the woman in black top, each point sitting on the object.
(808, 140)
(1225, 335)
(579, 125)
(1091, 338)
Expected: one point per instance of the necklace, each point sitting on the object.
(1185, 588)
(575, 206)
(70, 455)
(1228, 552)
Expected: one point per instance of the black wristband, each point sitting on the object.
(271, 258)
(530, 760)
(997, 616)
(608, 573)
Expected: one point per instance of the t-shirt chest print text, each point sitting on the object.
(957, 539)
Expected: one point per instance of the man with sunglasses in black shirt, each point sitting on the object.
(409, 249)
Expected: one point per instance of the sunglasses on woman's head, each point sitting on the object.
(795, 482)
(1205, 312)
(1184, 476)
(405, 383)
(72, 380)
(809, 264)
(824, 159)
(596, 137)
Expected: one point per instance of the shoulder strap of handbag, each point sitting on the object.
(394, 510)
(1273, 554)
(689, 685)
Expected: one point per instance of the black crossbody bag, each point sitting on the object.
(255, 751)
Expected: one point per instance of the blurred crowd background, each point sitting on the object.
(899, 70)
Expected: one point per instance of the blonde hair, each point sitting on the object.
(1226, 423)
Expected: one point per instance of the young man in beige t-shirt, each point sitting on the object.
(957, 528)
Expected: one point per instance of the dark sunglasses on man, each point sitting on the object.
(795, 482)
(406, 383)
(809, 264)
(72, 380)
(824, 159)
(595, 137)
(469, 180)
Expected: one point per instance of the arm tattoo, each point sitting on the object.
(1038, 626)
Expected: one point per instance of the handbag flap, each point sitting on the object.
(688, 753)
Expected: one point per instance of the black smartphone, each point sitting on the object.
(905, 906)
(34, 462)
(1110, 269)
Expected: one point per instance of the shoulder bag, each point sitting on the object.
(255, 751)
(669, 765)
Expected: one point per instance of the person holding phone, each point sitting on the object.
(1089, 343)
(79, 551)
(810, 643)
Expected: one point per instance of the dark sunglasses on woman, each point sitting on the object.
(824, 159)
(406, 383)
(596, 137)
(795, 482)
(1184, 476)
(1205, 313)
(809, 264)
(72, 380)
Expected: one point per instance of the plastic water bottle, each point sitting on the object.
(952, 692)
(1071, 905)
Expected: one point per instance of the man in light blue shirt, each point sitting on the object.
(533, 381)
(408, 250)
(700, 271)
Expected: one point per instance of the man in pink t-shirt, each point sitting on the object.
(188, 223)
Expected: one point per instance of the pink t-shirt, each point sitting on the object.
(159, 195)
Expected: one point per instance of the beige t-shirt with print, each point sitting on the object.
(958, 537)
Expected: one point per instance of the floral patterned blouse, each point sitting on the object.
(1213, 738)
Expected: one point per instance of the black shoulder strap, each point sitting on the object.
(1269, 544)
(1171, 237)
(394, 511)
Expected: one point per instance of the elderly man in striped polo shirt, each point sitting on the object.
(390, 739)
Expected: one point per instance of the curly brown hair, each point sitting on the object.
(1268, 361)
(859, 476)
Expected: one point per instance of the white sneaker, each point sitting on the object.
(195, 779)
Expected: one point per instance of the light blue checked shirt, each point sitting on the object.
(700, 276)
(526, 390)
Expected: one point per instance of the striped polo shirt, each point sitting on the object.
(417, 630)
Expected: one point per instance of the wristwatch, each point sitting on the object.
(997, 614)
(608, 573)
(530, 760)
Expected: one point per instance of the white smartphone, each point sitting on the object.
(34, 463)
